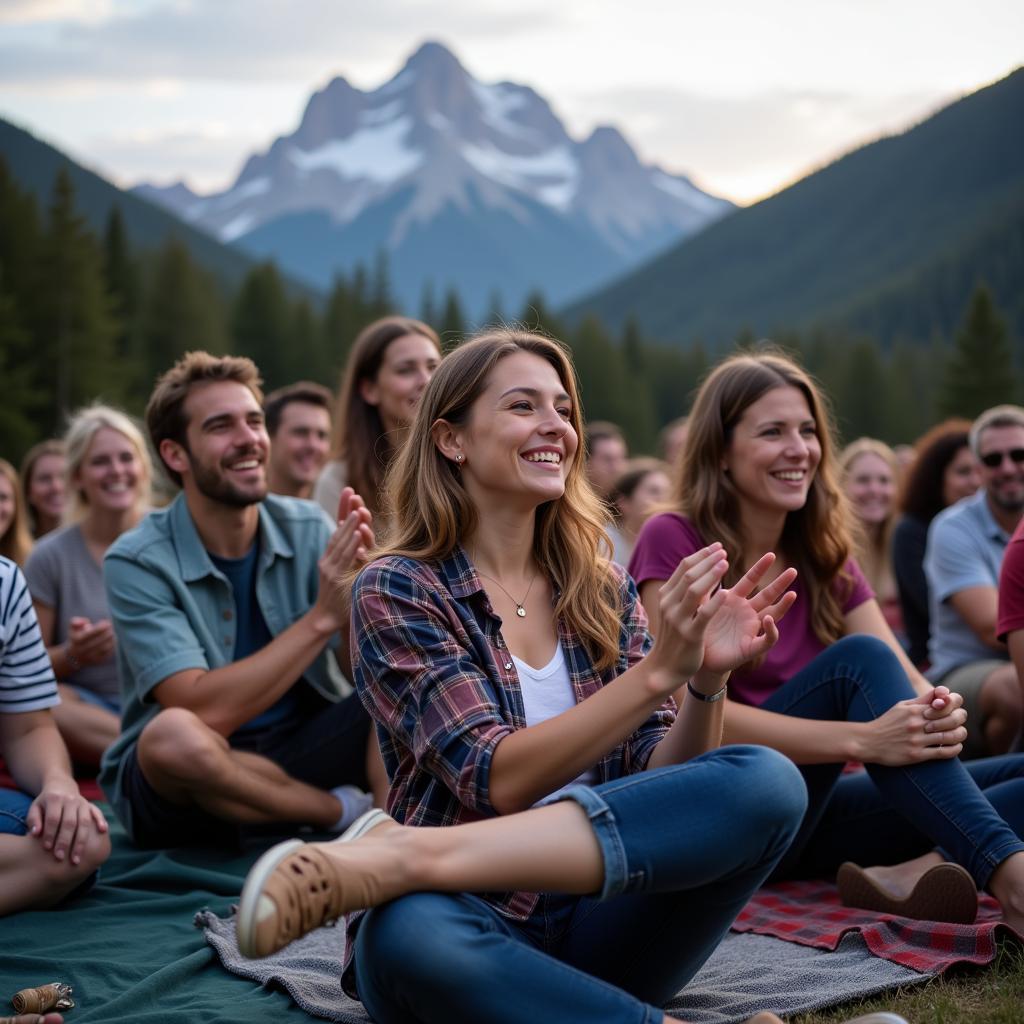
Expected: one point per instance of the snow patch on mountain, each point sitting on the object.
(378, 152)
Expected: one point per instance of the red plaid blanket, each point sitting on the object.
(809, 913)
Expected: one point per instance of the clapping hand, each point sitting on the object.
(89, 643)
(743, 623)
(347, 548)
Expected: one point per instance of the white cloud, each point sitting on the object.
(743, 95)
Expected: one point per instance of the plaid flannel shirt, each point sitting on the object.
(434, 672)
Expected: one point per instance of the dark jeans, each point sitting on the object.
(974, 811)
(322, 744)
(684, 848)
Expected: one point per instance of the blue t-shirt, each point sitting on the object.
(965, 549)
(251, 632)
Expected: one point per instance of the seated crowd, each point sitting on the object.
(433, 602)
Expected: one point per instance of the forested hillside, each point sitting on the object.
(891, 240)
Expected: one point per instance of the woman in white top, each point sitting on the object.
(109, 475)
(650, 839)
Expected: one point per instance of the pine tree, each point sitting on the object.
(121, 273)
(75, 329)
(381, 300)
(182, 311)
(23, 398)
(261, 325)
(453, 323)
(495, 311)
(428, 304)
(980, 371)
(342, 321)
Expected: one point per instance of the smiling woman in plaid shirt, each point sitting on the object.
(507, 664)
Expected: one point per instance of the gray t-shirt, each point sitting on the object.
(965, 549)
(64, 576)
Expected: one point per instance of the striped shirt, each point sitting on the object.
(436, 675)
(26, 675)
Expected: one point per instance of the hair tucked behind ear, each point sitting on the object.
(431, 512)
(816, 538)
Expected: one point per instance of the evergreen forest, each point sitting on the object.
(86, 315)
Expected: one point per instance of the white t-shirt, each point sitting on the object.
(548, 692)
(26, 675)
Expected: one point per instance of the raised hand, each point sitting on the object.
(90, 643)
(685, 607)
(347, 548)
(743, 625)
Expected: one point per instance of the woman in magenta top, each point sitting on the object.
(758, 474)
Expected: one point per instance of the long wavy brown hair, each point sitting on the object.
(431, 512)
(358, 436)
(816, 539)
(15, 541)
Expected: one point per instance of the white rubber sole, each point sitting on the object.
(252, 890)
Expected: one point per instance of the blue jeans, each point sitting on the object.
(14, 807)
(974, 811)
(684, 848)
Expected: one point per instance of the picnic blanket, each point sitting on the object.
(129, 947)
(132, 953)
(794, 949)
(810, 913)
(745, 974)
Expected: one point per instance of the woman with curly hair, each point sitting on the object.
(943, 471)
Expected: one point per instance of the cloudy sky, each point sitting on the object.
(745, 96)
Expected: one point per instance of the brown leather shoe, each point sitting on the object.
(295, 887)
(945, 892)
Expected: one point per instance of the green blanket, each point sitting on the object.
(130, 948)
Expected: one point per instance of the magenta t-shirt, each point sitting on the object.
(668, 538)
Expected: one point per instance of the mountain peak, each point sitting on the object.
(433, 57)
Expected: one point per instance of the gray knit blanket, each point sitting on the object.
(745, 974)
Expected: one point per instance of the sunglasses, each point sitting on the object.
(994, 459)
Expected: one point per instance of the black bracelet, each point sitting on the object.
(705, 698)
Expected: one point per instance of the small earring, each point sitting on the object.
(460, 459)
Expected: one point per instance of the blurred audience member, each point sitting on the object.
(905, 455)
(299, 425)
(672, 439)
(965, 551)
(1010, 627)
(387, 369)
(643, 486)
(15, 540)
(943, 471)
(869, 477)
(43, 484)
(51, 839)
(606, 456)
(109, 476)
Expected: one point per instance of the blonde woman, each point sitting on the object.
(15, 540)
(108, 475)
(870, 477)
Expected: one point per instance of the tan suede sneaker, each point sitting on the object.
(295, 887)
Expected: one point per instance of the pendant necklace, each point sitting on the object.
(520, 610)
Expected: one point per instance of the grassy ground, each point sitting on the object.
(989, 995)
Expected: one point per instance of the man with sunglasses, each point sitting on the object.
(966, 545)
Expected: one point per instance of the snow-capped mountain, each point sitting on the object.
(463, 183)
